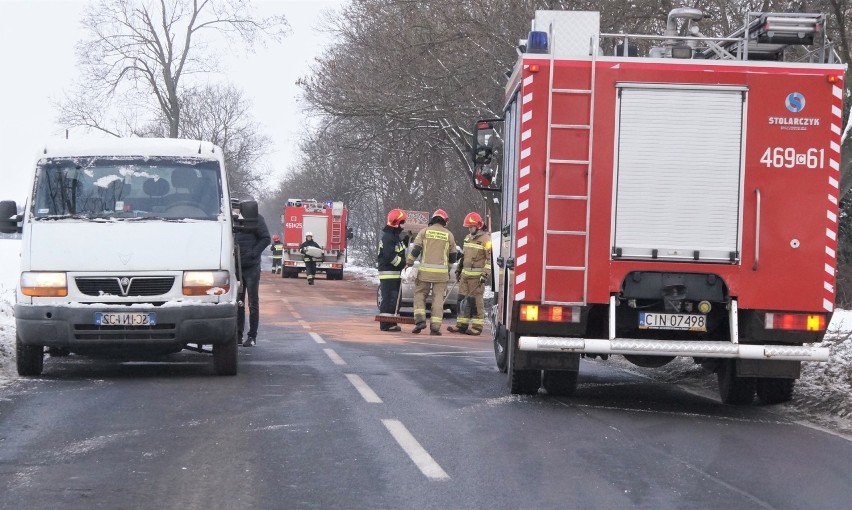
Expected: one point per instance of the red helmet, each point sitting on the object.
(473, 220)
(275, 238)
(396, 217)
(440, 213)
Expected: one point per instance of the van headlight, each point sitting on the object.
(43, 284)
(206, 283)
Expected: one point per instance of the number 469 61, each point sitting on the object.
(788, 157)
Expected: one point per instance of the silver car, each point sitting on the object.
(406, 300)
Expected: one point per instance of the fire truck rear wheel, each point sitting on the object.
(732, 389)
(775, 391)
(560, 382)
(500, 353)
(521, 382)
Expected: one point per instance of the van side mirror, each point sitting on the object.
(246, 220)
(9, 217)
(350, 234)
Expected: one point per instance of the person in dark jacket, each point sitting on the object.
(391, 261)
(252, 244)
(310, 263)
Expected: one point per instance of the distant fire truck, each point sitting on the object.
(327, 222)
(679, 204)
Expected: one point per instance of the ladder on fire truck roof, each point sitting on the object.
(579, 88)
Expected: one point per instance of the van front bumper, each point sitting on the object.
(176, 326)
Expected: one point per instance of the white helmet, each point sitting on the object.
(308, 234)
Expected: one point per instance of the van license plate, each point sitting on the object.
(677, 321)
(125, 319)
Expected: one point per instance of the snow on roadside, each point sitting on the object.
(823, 395)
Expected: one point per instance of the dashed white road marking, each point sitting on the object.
(296, 315)
(416, 453)
(334, 357)
(365, 391)
(318, 339)
(304, 324)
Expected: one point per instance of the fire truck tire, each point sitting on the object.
(775, 391)
(500, 353)
(225, 357)
(521, 382)
(560, 382)
(30, 358)
(732, 389)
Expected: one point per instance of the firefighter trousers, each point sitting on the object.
(389, 288)
(471, 304)
(421, 290)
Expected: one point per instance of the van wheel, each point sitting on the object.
(30, 358)
(560, 382)
(225, 357)
(732, 389)
(775, 391)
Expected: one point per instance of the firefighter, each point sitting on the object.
(474, 270)
(436, 247)
(277, 249)
(310, 263)
(391, 261)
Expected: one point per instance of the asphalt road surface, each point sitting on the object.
(328, 412)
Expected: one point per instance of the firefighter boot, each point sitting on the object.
(458, 328)
(418, 327)
(435, 330)
(474, 331)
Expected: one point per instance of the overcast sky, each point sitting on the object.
(37, 39)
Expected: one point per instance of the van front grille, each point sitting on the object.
(125, 286)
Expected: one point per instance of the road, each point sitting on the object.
(327, 412)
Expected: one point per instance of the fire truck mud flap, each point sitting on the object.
(700, 349)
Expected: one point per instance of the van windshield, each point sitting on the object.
(148, 187)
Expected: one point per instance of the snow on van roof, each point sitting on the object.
(169, 147)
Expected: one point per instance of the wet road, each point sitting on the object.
(327, 412)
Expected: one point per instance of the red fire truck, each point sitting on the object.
(682, 203)
(327, 222)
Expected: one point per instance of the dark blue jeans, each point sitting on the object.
(251, 284)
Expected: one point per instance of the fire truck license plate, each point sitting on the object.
(125, 319)
(680, 321)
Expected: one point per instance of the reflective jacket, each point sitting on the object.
(476, 256)
(436, 247)
(277, 249)
(391, 257)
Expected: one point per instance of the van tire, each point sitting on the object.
(500, 349)
(30, 358)
(225, 357)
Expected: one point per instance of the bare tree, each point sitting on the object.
(140, 51)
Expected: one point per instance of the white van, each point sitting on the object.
(127, 250)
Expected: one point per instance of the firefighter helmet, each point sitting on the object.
(396, 217)
(275, 238)
(440, 213)
(473, 220)
(309, 234)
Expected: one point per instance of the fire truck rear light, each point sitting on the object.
(549, 313)
(795, 321)
(534, 68)
(831, 78)
(289, 263)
